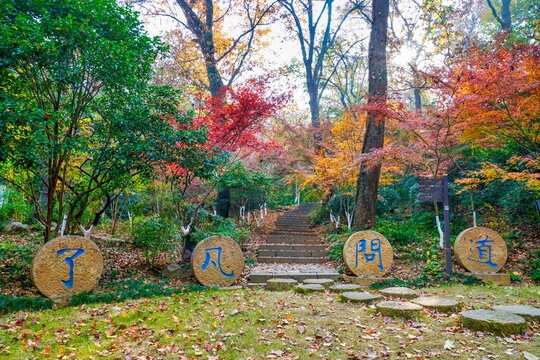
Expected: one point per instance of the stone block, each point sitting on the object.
(399, 309)
(399, 292)
(497, 322)
(495, 278)
(280, 284)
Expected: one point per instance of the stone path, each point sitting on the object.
(262, 272)
(293, 241)
(293, 250)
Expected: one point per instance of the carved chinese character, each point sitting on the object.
(69, 260)
(480, 250)
(217, 261)
(368, 253)
(208, 261)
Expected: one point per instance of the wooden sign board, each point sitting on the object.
(431, 190)
(433, 197)
(430, 182)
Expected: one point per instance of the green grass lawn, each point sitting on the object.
(256, 324)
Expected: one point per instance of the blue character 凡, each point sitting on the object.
(208, 261)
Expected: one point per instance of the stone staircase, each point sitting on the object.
(293, 242)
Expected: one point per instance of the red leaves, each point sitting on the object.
(238, 118)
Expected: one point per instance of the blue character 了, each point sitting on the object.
(69, 260)
(207, 262)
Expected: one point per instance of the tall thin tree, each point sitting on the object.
(315, 44)
(368, 178)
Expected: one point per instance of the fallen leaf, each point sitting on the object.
(529, 356)
(449, 345)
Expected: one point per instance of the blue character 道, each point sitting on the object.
(484, 251)
(69, 260)
(375, 245)
(207, 262)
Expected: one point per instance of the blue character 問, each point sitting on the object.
(207, 262)
(375, 246)
(484, 251)
(69, 260)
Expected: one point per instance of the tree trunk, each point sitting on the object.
(367, 184)
(223, 202)
(506, 17)
(313, 103)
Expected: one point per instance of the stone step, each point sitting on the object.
(262, 276)
(293, 242)
(293, 221)
(291, 260)
(292, 253)
(294, 232)
(292, 227)
(303, 247)
(294, 236)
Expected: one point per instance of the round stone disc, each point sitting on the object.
(438, 303)
(309, 288)
(368, 253)
(356, 296)
(280, 284)
(340, 288)
(65, 266)
(480, 249)
(526, 311)
(217, 261)
(399, 309)
(498, 322)
(324, 282)
(399, 292)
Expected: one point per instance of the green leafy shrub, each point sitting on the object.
(426, 280)
(154, 235)
(133, 289)
(319, 215)
(129, 289)
(535, 267)
(16, 262)
(434, 265)
(512, 198)
(10, 304)
(399, 233)
(220, 226)
(13, 206)
(337, 242)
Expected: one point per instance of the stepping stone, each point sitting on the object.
(256, 285)
(498, 322)
(399, 309)
(309, 288)
(237, 287)
(356, 296)
(324, 282)
(280, 284)
(530, 313)
(438, 303)
(340, 288)
(399, 292)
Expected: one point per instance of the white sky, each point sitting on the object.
(283, 46)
